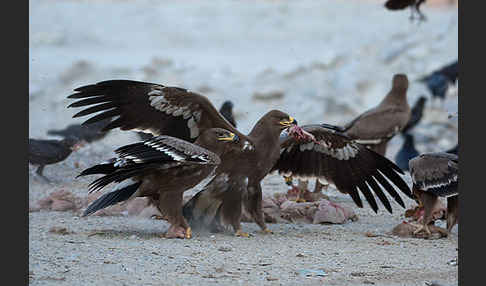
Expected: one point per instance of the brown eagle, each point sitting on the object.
(161, 168)
(177, 112)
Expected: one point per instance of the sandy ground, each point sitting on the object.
(329, 60)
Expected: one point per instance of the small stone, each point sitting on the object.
(225, 248)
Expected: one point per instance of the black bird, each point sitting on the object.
(407, 152)
(414, 5)
(87, 133)
(227, 111)
(416, 115)
(438, 81)
(46, 152)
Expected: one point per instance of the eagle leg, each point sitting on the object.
(253, 205)
(452, 212)
(240, 233)
(40, 171)
(170, 206)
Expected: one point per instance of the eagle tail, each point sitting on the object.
(118, 195)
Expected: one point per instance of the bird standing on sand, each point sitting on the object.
(46, 152)
(436, 175)
(161, 168)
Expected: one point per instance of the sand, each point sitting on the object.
(327, 60)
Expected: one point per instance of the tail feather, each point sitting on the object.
(112, 198)
(104, 168)
(201, 209)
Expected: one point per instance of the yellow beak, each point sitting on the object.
(231, 137)
(287, 123)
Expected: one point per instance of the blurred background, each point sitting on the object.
(320, 61)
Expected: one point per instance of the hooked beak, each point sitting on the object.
(288, 123)
(231, 137)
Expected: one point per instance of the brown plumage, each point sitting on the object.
(414, 5)
(375, 127)
(46, 152)
(183, 114)
(335, 158)
(436, 175)
(161, 168)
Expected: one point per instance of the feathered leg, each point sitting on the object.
(452, 212)
(170, 205)
(253, 205)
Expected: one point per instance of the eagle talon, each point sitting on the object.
(267, 231)
(188, 233)
(240, 233)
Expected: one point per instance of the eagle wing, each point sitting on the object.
(437, 173)
(149, 107)
(333, 157)
(161, 152)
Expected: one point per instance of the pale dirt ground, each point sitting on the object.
(330, 59)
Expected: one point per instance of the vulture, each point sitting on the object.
(436, 175)
(414, 5)
(406, 152)
(375, 127)
(439, 80)
(46, 152)
(226, 110)
(276, 143)
(161, 168)
(88, 133)
(416, 114)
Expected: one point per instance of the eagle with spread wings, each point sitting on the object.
(276, 143)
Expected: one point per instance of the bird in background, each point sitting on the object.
(226, 110)
(406, 152)
(46, 152)
(439, 80)
(414, 5)
(375, 127)
(416, 114)
(88, 133)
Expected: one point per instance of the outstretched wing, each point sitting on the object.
(333, 157)
(149, 107)
(437, 173)
(162, 152)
